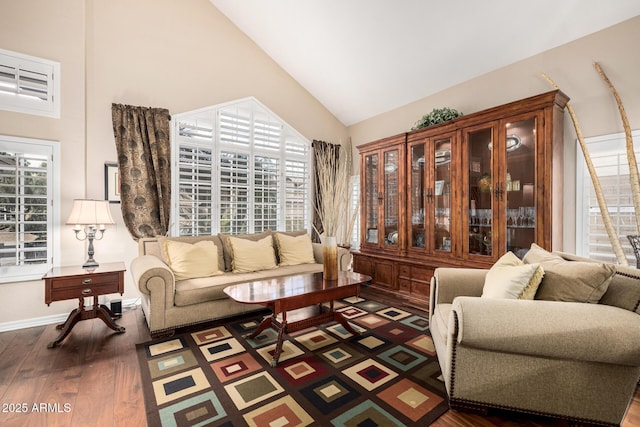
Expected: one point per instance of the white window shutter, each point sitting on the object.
(29, 85)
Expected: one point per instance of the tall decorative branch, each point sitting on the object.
(602, 204)
(333, 165)
(631, 155)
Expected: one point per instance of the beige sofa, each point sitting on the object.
(570, 360)
(168, 304)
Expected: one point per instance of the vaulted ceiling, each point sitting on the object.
(361, 58)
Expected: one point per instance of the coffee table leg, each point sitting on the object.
(338, 317)
(266, 322)
(278, 349)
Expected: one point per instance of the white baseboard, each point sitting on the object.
(56, 318)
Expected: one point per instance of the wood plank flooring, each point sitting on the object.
(93, 379)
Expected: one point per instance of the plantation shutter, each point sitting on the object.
(240, 170)
(266, 194)
(195, 177)
(609, 158)
(27, 84)
(234, 193)
(296, 199)
(25, 206)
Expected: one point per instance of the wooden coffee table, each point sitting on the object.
(283, 294)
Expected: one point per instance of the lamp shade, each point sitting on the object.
(90, 212)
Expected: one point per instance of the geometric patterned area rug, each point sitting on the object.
(386, 376)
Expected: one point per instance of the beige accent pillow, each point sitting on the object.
(190, 261)
(571, 281)
(191, 240)
(228, 262)
(248, 255)
(294, 250)
(512, 279)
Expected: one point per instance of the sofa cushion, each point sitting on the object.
(194, 291)
(188, 260)
(510, 278)
(227, 247)
(248, 255)
(191, 239)
(571, 281)
(294, 250)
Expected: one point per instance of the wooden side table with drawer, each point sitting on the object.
(63, 283)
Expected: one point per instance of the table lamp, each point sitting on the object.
(89, 218)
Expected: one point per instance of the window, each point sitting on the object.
(27, 210)
(238, 168)
(609, 157)
(29, 85)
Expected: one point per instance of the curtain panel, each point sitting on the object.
(144, 164)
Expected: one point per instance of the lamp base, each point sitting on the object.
(91, 263)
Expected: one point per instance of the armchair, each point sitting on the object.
(570, 360)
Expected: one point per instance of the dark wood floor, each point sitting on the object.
(92, 379)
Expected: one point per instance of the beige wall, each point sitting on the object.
(160, 53)
(146, 52)
(570, 65)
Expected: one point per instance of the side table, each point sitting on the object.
(64, 283)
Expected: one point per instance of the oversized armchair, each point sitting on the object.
(572, 360)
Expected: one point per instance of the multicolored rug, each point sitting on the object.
(386, 376)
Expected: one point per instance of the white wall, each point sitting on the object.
(570, 66)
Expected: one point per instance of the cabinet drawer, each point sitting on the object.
(420, 290)
(90, 290)
(421, 273)
(404, 285)
(84, 282)
(405, 271)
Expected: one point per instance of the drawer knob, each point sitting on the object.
(86, 282)
(86, 291)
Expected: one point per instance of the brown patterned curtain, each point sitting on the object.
(144, 164)
(319, 146)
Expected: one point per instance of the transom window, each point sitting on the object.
(29, 84)
(27, 208)
(238, 168)
(609, 156)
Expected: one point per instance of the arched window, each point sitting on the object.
(238, 168)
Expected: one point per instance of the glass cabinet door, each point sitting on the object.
(391, 197)
(441, 195)
(520, 185)
(417, 194)
(371, 197)
(479, 146)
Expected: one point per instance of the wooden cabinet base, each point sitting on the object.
(396, 278)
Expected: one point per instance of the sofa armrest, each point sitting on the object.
(344, 256)
(559, 330)
(448, 283)
(150, 273)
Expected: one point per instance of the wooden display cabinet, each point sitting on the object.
(461, 194)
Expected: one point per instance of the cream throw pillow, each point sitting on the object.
(294, 250)
(512, 279)
(190, 261)
(248, 255)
